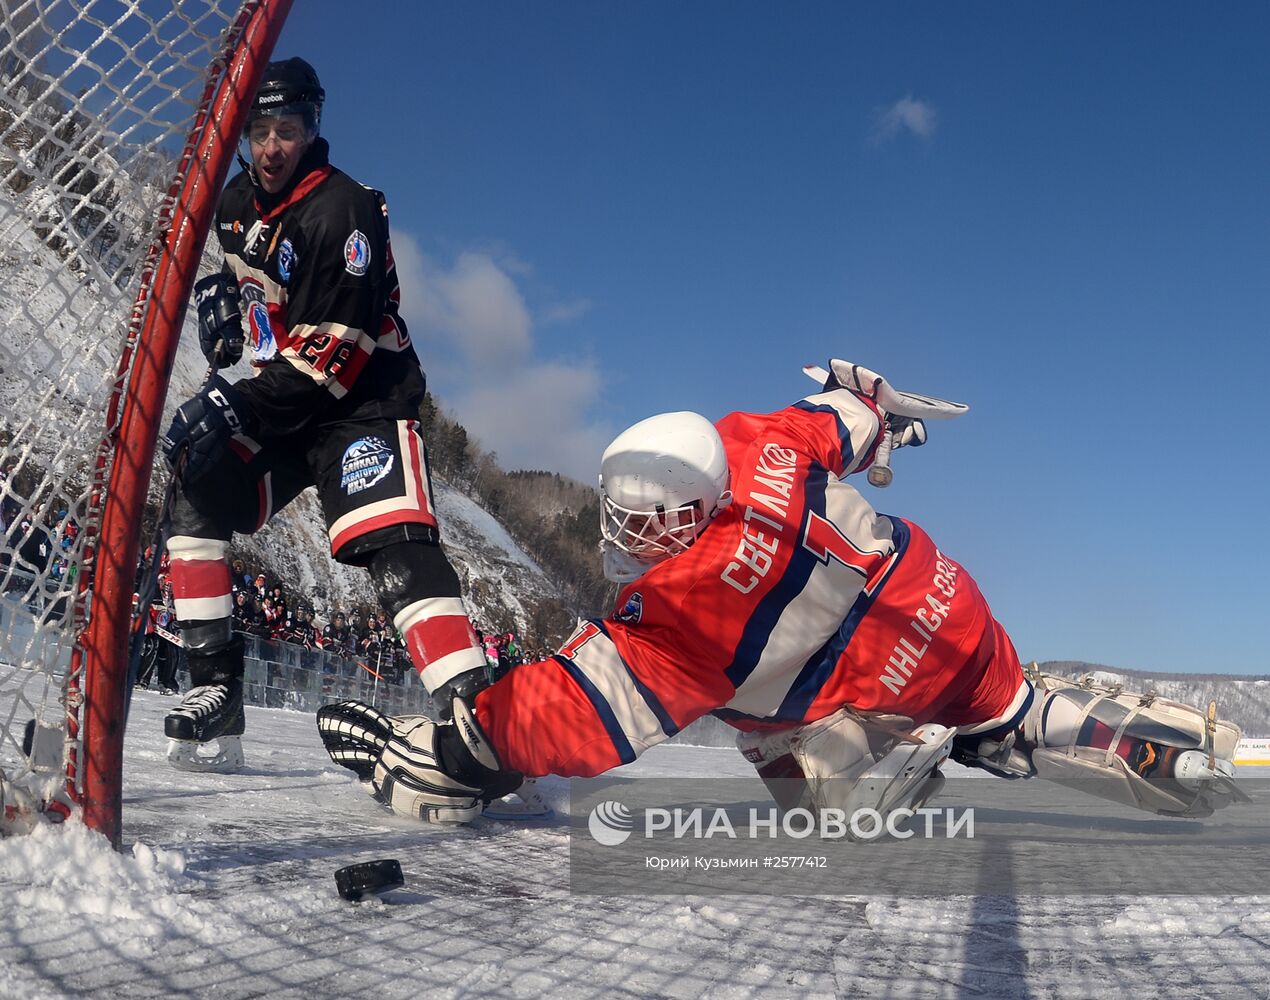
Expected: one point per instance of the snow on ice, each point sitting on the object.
(225, 889)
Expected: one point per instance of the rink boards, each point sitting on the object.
(1253, 751)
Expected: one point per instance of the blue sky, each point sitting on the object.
(1058, 214)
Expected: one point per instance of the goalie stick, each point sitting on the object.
(893, 402)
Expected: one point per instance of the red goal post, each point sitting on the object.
(72, 147)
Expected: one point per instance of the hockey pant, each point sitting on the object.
(374, 486)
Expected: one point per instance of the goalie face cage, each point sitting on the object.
(119, 120)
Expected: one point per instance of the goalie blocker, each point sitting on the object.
(1136, 749)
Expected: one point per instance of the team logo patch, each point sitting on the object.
(366, 461)
(263, 346)
(632, 611)
(286, 260)
(260, 330)
(356, 253)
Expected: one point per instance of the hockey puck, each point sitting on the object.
(370, 878)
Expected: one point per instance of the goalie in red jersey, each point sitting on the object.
(841, 643)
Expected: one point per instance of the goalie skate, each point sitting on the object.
(524, 803)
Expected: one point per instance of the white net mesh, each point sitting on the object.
(97, 98)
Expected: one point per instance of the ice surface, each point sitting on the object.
(226, 890)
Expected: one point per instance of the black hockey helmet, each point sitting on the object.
(289, 87)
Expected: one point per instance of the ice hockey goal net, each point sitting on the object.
(119, 120)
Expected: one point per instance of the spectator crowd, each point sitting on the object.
(269, 610)
(37, 540)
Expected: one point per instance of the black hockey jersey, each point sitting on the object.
(320, 300)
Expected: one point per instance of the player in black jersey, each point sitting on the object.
(334, 404)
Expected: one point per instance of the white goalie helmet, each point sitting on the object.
(661, 482)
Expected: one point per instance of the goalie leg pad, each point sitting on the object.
(855, 762)
(774, 761)
(852, 762)
(1136, 749)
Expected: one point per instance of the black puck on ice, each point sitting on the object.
(370, 878)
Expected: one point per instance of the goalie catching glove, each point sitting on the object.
(438, 772)
(905, 431)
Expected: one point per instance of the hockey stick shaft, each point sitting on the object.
(880, 474)
(149, 583)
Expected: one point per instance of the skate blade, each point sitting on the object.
(524, 803)
(1226, 786)
(184, 755)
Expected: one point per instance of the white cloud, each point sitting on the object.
(474, 333)
(537, 418)
(477, 307)
(566, 312)
(906, 115)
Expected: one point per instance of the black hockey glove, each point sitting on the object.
(220, 319)
(201, 428)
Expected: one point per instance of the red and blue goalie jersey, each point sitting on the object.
(796, 600)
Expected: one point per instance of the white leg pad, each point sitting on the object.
(850, 761)
(774, 761)
(1187, 769)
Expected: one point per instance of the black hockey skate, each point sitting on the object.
(211, 711)
(208, 713)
